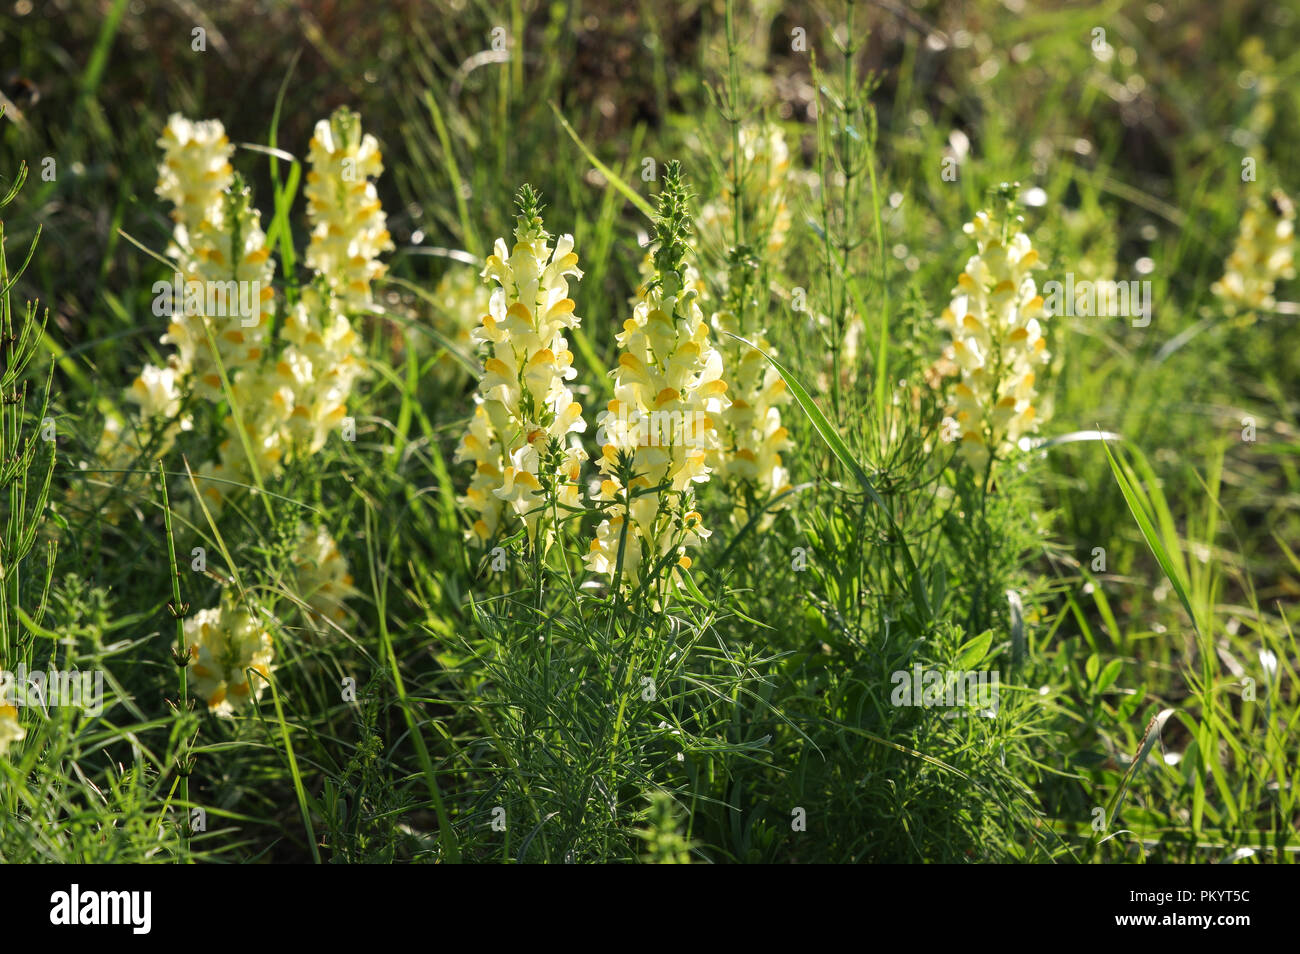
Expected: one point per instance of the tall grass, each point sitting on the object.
(1135, 593)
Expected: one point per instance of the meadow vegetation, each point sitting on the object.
(594, 432)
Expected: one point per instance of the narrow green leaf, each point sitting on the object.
(974, 650)
(1132, 496)
(835, 442)
(619, 183)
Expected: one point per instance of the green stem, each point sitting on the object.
(182, 756)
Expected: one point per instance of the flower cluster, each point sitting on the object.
(323, 579)
(196, 176)
(519, 437)
(292, 403)
(226, 273)
(217, 239)
(224, 644)
(156, 391)
(349, 228)
(1264, 253)
(324, 358)
(670, 375)
(10, 730)
(764, 176)
(997, 342)
(752, 436)
(195, 171)
(281, 398)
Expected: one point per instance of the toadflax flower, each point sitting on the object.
(660, 426)
(10, 730)
(349, 228)
(764, 180)
(997, 342)
(1264, 253)
(195, 170)
(221, 286)
(224, 643)
(226, 272)
(320, 365)
(751, 434)
(321, 362)
(323, 580)
(157, 392)
(291, 402)
(523, 431)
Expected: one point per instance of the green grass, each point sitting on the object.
(1136, 595)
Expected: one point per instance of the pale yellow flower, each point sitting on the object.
(668, 394)
(997, 341)
(323, 580)
(764, 184)
(265, 398)
(523, 402)
(195, 170)
(291, 403)
(157, 393)
(320, 365)
(1263, 254)
(224, 643)
(752, 435)
(227, 272)
(232, 471)
(10, 730)
(349, 229)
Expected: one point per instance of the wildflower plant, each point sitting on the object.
(322, 577)
(1264, 254)
(289, 615)
(522, 437)
(297, 399)
(195, 172)
(349, 228)
(756, 194)
(659, 428)
(275, 400)
(751, 219)
(220, 324)
(997, 338)
(230, 648)
(752, 436)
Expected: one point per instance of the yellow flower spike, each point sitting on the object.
(662, 379)
(997, 344)
(522, 401)
(323, 580)
(765, 165)
(195, 169)
(349, 226)
(1263, 254)
(293, 403)
(224, 642)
